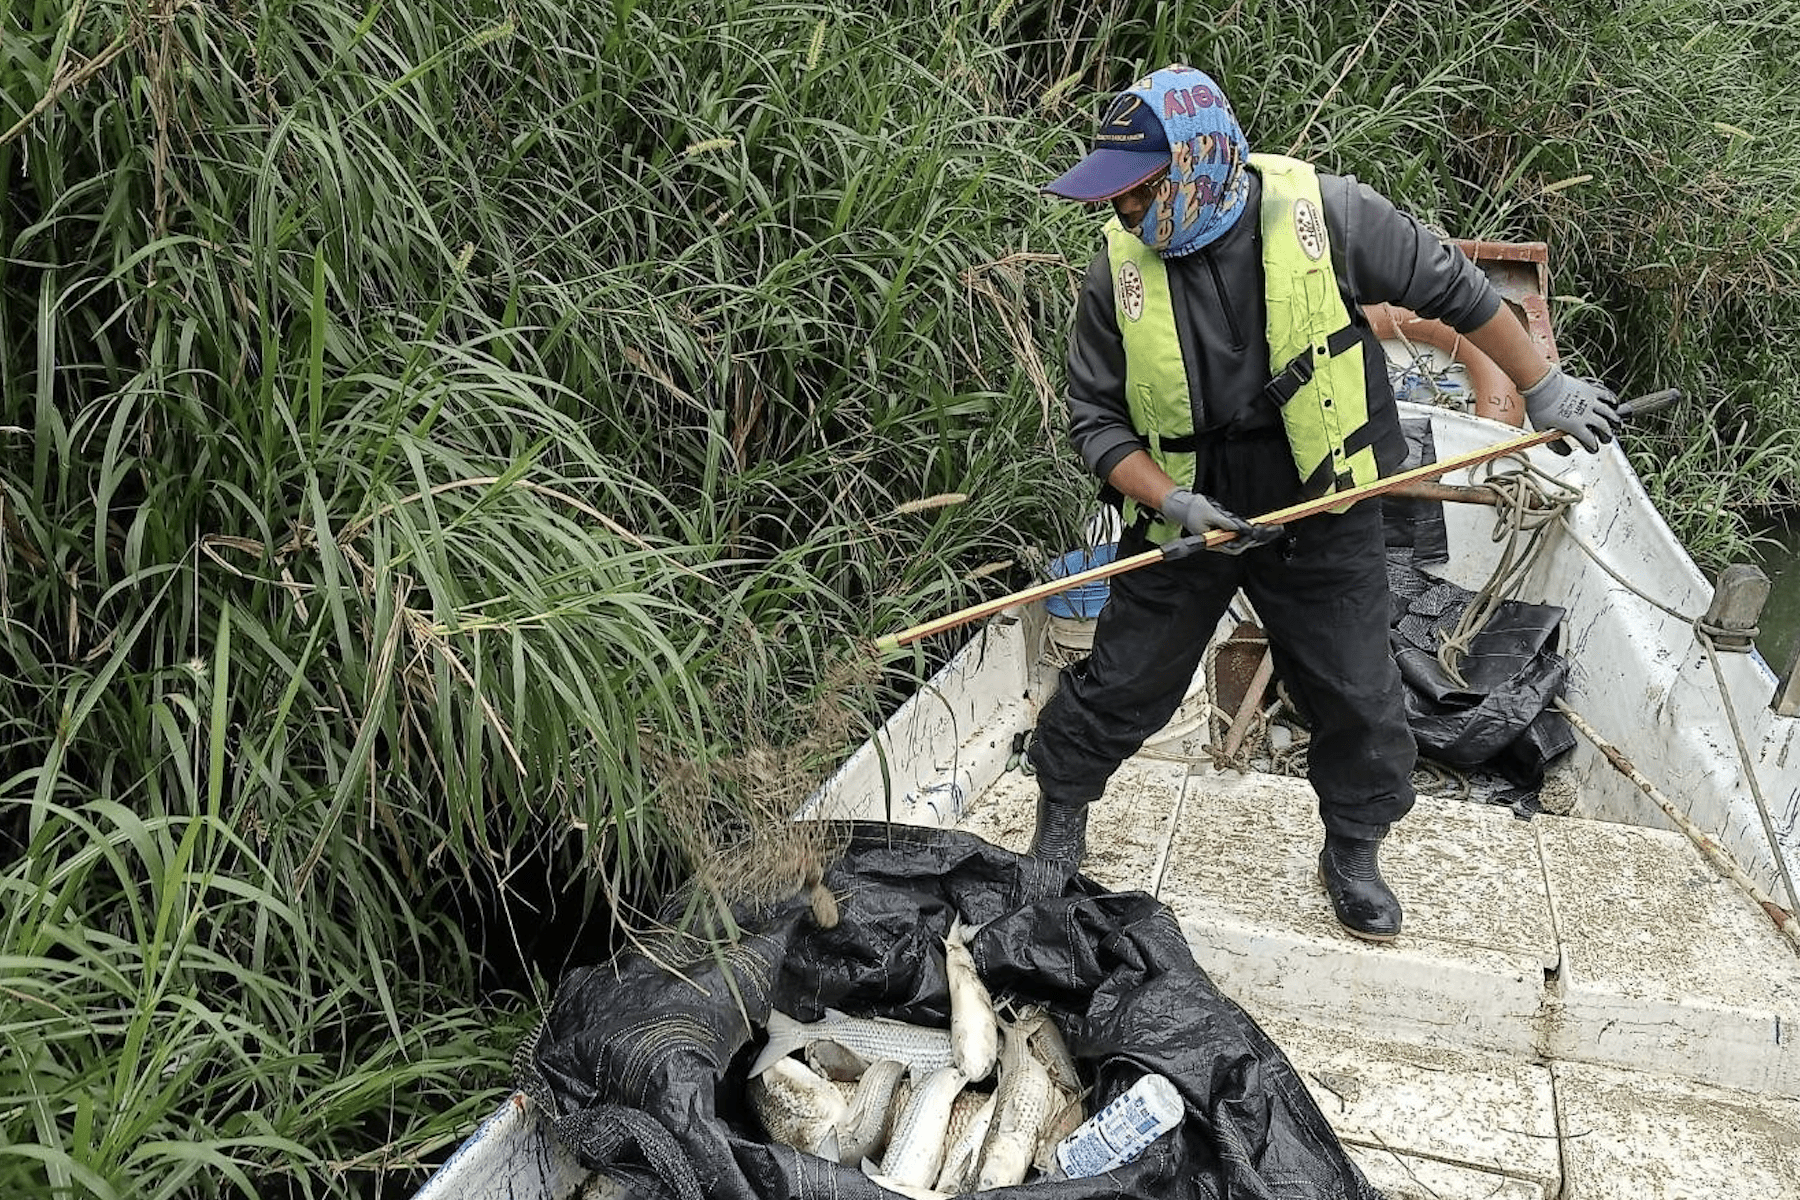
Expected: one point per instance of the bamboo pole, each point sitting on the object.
(1181, 546)
(1217, 537)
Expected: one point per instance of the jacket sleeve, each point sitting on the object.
(1384, 255)
(1099, 421)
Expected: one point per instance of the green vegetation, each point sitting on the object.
(447, 445)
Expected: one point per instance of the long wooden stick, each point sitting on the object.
(1251, 703)
(1453, 493)
(1217, 537)
(1714, 853)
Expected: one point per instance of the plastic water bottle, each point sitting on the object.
(1122, 1130)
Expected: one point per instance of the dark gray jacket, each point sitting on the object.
(1380, 254)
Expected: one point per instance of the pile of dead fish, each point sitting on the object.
(924, 1112)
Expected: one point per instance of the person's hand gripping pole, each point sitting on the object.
(1202, 516)
(1586, 409)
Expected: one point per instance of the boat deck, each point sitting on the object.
(1551, 975)
(1575, 1010)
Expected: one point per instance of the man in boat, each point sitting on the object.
(1220, 364)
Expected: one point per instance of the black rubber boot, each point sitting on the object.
(1061, 832)
(1057, 848)
(1364, 903)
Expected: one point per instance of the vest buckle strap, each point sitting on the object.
(1319, 481)
(1299, 372)
(1185, 444)
(1359, 439)
(1296, 375)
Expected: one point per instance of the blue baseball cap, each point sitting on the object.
(1130, 148)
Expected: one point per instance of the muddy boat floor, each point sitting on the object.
(1574, 1009)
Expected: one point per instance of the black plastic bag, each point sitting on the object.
(1480, 728)
(643, 1069)
(1415, 529)
(1499, 716)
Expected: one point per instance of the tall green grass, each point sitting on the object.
(450, 442)
(447, 445)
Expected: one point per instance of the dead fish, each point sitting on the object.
(1066, 1115)
(902, 1094)
(798, 1108)
(1021, 1107)
(964, 1112)
(903, 1189)
(915, 1149)
(974, 1030)
(963, 1143)
(1045, 1041)
(863, 1131)
(920, 1047)
(835, 1061)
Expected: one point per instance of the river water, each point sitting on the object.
(1780, 623)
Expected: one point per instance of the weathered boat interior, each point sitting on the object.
(1581, 1005)
(1590, 999)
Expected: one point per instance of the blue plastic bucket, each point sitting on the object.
(1084, 600)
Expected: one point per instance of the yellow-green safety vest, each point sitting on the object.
(1315, 353)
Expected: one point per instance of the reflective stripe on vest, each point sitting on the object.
(1324, 409)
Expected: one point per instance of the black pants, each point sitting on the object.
(1322, 596)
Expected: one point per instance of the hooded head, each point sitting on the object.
(1177, 124)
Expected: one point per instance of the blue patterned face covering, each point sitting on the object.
(1203, 195)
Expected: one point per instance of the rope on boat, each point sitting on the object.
(1528, 501)
(1715, 853)
(1593, 554)
(1737, 734)
(1704, 633)
(1745, 762)
(1536, 508)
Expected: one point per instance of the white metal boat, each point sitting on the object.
(1582, 1006)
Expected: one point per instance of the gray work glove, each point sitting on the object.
(1579, 407)
(1198, 514)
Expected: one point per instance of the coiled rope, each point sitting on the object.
(1528, 502)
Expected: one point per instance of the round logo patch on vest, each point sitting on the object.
(1309, 227)
(1131, 290)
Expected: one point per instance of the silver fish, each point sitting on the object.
(1066, 1115)
(1022, 1106)
(964, 1143)
(798, 1108)
(964, 1112)
(1045, 1041)
(834, 1061)
(915, 1149)
(921, 1048)
(974, 1030)
(902, 1097)
(863, 1131)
